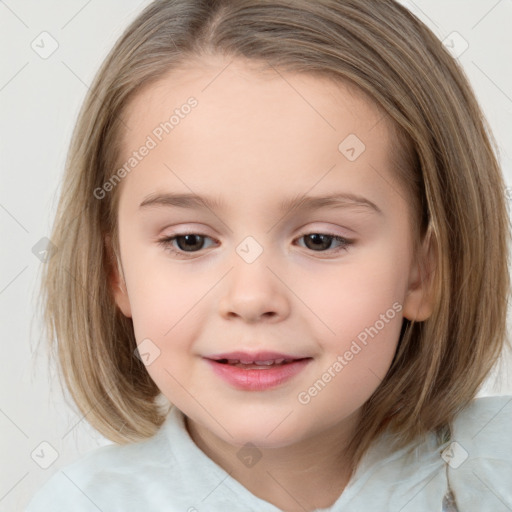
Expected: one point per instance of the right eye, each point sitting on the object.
(186, 242)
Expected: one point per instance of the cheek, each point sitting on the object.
(163, 306)
(161, 295)
(365, 332)
(357, 293)
(167, 310)
(359, 334)
(358, 319)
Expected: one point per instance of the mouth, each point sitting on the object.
(250, 373)
(262, 359)
(258, 365)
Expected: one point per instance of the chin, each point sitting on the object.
(261, 430)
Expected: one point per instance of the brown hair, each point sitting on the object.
(449, 169)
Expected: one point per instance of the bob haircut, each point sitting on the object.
(447, 164)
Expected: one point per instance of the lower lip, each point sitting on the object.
(257, 380)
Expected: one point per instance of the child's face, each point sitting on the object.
(256, 281)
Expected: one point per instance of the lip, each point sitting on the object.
(254, 356)
(257, 379)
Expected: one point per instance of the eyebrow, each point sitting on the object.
(190, 201)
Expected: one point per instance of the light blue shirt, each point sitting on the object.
(168, 472)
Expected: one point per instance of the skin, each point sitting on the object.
(255, 139)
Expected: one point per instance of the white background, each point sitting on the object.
(39, 101)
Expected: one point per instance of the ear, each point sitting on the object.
(116, 280)
(419, 301)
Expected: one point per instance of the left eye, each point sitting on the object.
(324, 240)
(193, 242)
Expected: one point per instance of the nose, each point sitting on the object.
(254, 292)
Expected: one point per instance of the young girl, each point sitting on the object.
(281, 268)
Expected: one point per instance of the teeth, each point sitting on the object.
(268, 362)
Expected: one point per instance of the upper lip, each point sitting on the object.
(255, 356)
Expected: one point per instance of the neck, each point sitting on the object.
(303, 476)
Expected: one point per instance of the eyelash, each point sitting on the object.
(166, 243)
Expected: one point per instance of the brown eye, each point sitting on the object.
(184, 243)
(189, 243)
(321, 242)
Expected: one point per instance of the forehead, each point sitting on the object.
(260, 127)
(235, 82)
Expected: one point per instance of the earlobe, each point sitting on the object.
(116, 280)
(419, 301)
